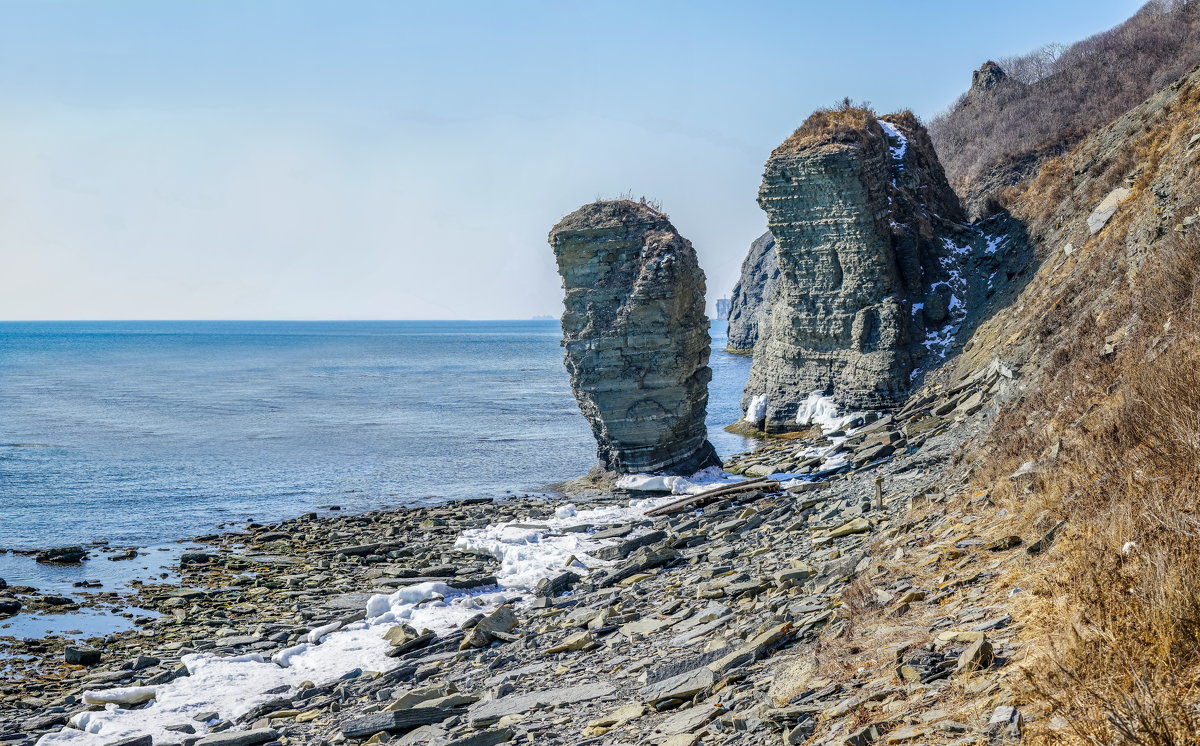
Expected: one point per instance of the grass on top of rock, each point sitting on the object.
(845, 122)
(650, 203)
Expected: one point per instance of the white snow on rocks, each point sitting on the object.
(821, 410)
(757, 409)
(938, 341)
(229, 686)
(901, 147)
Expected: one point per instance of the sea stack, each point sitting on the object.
(753, 295)
(636, 337)
(859, 207)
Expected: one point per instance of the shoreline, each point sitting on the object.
(681, 625)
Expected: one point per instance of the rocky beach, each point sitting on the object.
(684, 619)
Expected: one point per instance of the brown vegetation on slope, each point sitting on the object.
(1112, 425)
(1053, 97)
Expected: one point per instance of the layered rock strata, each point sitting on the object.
(750, 306)
(868, 235)
(636, 336)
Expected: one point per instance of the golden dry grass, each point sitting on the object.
(845, 123)
(1114, 615)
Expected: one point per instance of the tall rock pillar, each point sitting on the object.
(858, 206)
(636, 336)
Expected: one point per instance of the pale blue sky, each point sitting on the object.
(296, 159)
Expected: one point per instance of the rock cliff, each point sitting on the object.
(870, 245)
(636, 336)
(750, 307)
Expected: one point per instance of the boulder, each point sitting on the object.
(490, 628)
(62, 555)
(636, 337)
(81, 656)
(977, 656)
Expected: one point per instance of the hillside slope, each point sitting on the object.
(1018, 545)
(1028, 109)
(1108, 429)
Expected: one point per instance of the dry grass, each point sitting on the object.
(1116, 606)
(845, 123)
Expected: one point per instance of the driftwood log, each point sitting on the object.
(704, 498)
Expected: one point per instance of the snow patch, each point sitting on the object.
(757, 411)
(901, 147)
(821, 410)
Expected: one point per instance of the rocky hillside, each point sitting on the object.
(1025, 110)
(1106, 426)
(750, 306)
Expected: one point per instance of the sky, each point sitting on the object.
(354, 159)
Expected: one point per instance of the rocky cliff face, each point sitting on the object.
(871, 250)
(636, 336)
(750, 307)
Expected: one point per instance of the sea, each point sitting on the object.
(143, 434)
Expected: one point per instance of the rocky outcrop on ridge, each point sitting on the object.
(988, 76)
(636, 336)
(872, 251)
(750, 307)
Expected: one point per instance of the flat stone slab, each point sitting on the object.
(485, 713)
(486, 738)
(368, 725)
(1100, 216)
(683, 686)
(353, 601)
(239, 738)
(691, 719)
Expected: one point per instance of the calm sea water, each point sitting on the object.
(142, 433)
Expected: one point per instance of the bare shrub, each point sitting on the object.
(1055, 96)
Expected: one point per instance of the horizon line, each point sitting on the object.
(547, 317)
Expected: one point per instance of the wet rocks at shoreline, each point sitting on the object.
(72, 555)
